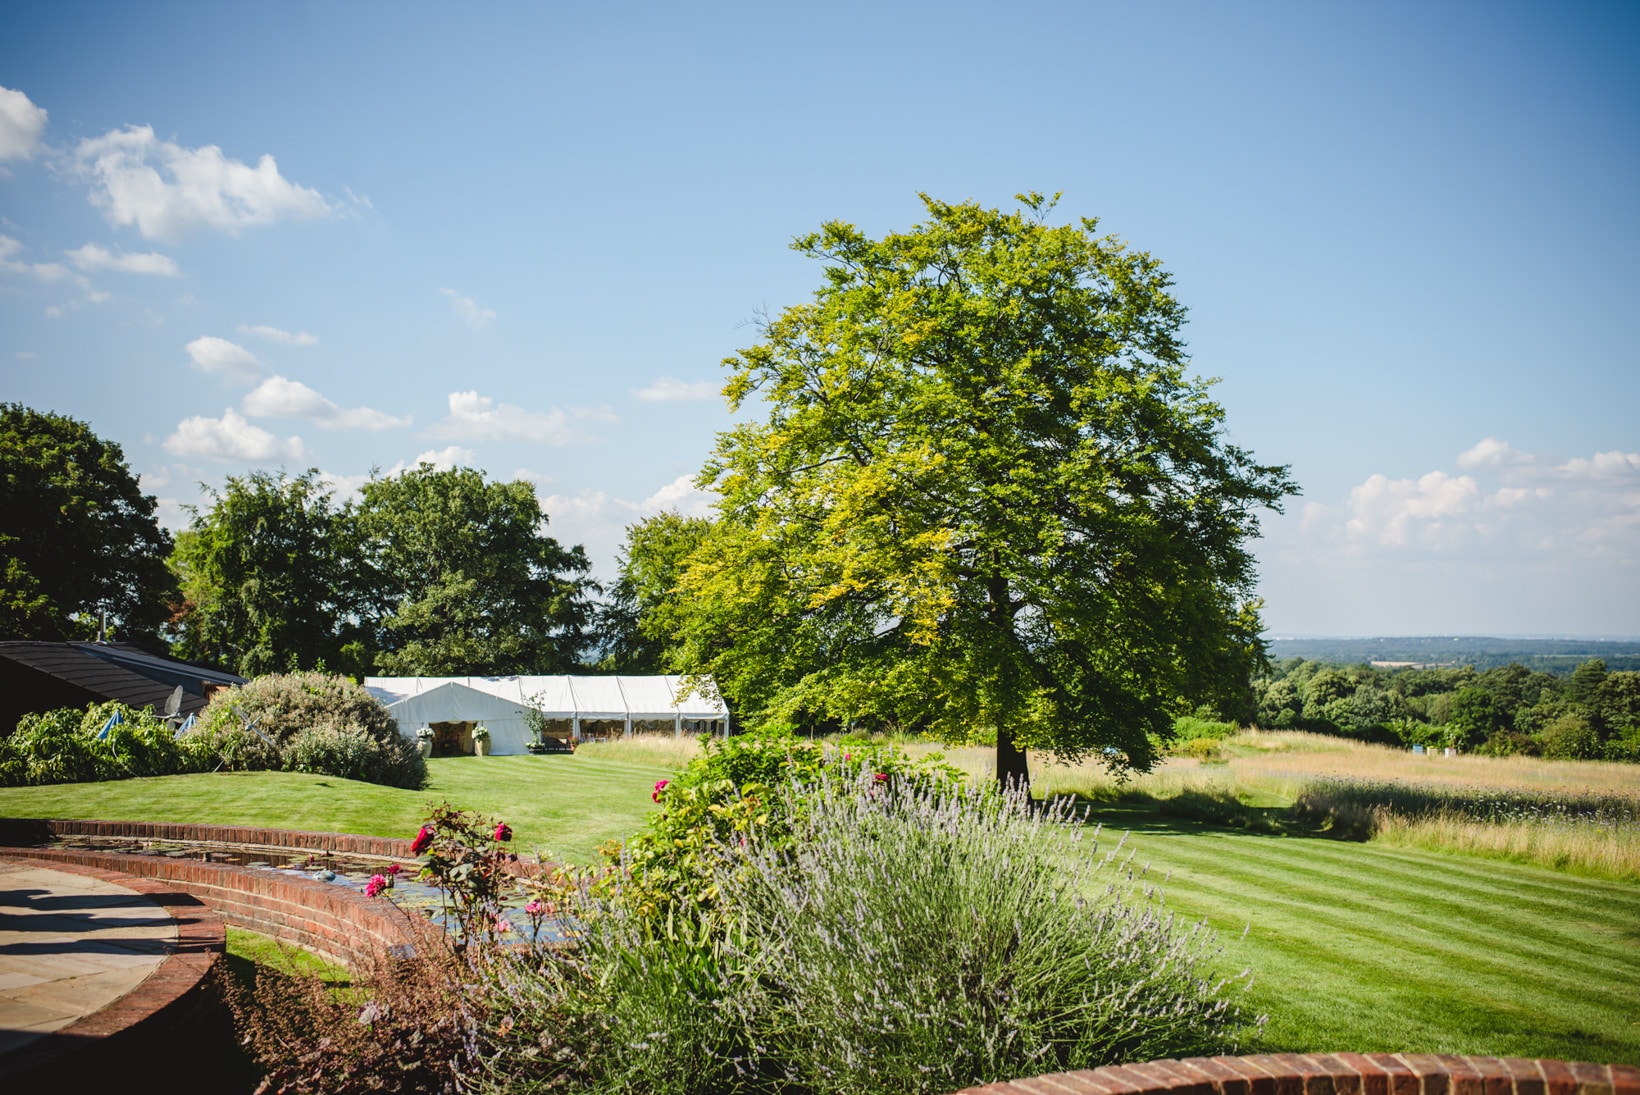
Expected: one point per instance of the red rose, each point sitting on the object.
(423, 839)
(502, 832)
(660, 785)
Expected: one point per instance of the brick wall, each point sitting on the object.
(24, 831)
(1334, 1074)
(334, 922)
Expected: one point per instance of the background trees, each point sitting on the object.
(430, 572)
(77, 536)
(644, 608)
(265, 576)
(456, 575)
(986, 498)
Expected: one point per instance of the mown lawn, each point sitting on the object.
(562, 806)
(1375, 948)
(1353, 946)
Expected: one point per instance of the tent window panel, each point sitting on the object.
(561, 729)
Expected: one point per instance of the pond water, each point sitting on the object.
(353, 872)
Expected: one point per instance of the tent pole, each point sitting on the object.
(575, 726)
(677, 724)
(627, 733)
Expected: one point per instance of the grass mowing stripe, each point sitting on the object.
(1399, 870)
(1519, 933)
(1363, 886)
(1330, 982)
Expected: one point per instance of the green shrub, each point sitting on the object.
(1192, 728)
(303, 723)
(317, 723)
(350, 752)
(1569, 737)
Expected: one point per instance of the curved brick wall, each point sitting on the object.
(172, 1006)
(334, 922)
(1334, 1074)
(26, 830)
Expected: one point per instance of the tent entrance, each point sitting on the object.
(452, 739)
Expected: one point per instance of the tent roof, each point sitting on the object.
(656, 697)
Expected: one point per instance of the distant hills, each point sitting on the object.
(1558, 656)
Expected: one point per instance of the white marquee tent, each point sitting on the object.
(501, 704)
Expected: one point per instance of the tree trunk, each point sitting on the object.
(1013, 768)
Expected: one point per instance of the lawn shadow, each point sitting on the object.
(1195, 812)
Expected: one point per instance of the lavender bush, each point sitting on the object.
(900, 937)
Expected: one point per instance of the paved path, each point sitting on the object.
(69, 946)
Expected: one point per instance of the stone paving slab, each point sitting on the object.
(70, 946)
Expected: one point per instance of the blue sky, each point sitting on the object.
(349, 236)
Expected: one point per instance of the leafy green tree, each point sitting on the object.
(78, 538)
(265, 577)
(643, 610)
(1475, 716)
(457, 575)
(986, 498)
(1586, 681)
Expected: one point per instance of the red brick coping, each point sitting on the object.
(166, 1006)
(28, 830)
(1334, 1074)
(336, 923)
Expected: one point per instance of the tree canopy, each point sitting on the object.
(265, 577)
(642, 608)
(458, 576)
(78, 538)
(986, 498)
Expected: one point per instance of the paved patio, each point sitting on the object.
(70, 946)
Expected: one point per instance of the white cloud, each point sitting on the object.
(1490, 452)
(475, 417)
(1604, 465)
(669, 389)
(451, 456)
(21, 123)
(92, 257)
(26, 355)
(220, 357)
(281, 397)
(467, 308)
(167, 191)
(45, 271)
(1382, 508)
(1513, 505)
(274, 334)
(599, 521)
(680, 496)
(231, 437)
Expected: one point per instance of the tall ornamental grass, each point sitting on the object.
(1593, 833)
(896, 936)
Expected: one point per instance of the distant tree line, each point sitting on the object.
(1594, 713)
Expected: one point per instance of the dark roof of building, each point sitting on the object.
(119, 672)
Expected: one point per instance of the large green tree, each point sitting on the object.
(987, 497)
(644, 607)
(457, 575)
(266, 577)
(78, 538)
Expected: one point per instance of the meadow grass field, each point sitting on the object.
(1407, 941)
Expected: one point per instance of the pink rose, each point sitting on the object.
(660, 785)
(376, 885)
(502, 832)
